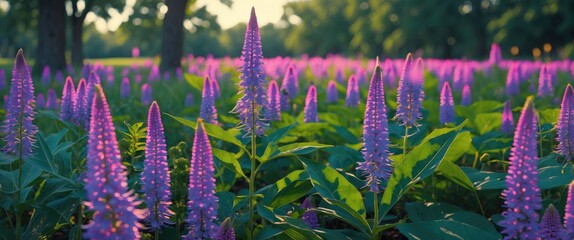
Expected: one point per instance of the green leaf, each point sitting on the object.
(486, 122)
(229, 161)
(297, 228)
(455, 174)
(554, 176)
(288, 189)
(445, 230)
(342, 211)
(423, 212)
(484, 180)
(278, 134)
(418, 164)
(294, 149)
(459, 146)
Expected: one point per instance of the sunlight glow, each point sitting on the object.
(268, 11)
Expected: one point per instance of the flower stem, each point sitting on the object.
(405, 141)
(251, 227)
(376, 216)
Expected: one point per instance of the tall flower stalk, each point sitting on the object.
(551, 225)
(274, 108)
(352, 99)
(569, 212)
(18, 126)
(507, 119)
(410, 96)
(207, 110)
(115, 212)
(446, 112)
(80, 114)
(68, 100)
(522, 194)
(310, 110)
(253, 101)
(565, 127)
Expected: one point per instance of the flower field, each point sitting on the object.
(288, 148)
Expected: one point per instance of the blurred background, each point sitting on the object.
(60, 32)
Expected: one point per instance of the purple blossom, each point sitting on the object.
(18, 126)
(146, 96)
(2, 79)
(273, 111)
(70, 69)
(377, 165)
(115, 213)
(310, 110)
(332, 93)
(86, 70)
(81, 116)
(52, 100)
(390, 73)
(565, 126)
(202, 204)
(225, 231)
(290, 84)
(569, 212)
(155, 176)
(135, 52)
(340, 75)
(495, 54)
(352, 99)
(513, 80)
(446, 104)
(410, 93)
(68, 100)
(189, 100)
(309, 216)
(254, 99)
(93, 80)
(522, 194)
(46, 76)
(40, 102)
(215, 88)
(466, 96)
(507, 119)
(361, 76)
(551, 225)
(59, 76)
(207, 110)
(125, 88)
(544, 83)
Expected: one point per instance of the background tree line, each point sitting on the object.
(390, 28)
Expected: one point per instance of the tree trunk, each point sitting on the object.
(51, 35)
(172, 35)
(77, 48)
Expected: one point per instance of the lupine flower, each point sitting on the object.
(2, 79)
(52, 100)
(340, 75)
(18, 126)
(80, 115)
(207, 110)
(110, 79)
(86, 70)
(466, 96)
(332, 93)
(250, 106)
(309, 216)
(565, 126)
(410, 93)
(569, 212)
(155, 177)
(41, 101)
(215, 88)
(507, 119)
(146, 96)
(68, 100)
(135, 52)
(513, 80)
(274, 108)
(522, 195)
(311, 106)
(390, 73)
(353, 98)
(59, 76)
(189, 100)
(551, 225)
(202, 204)
(377, 165)
(225, 231)
(46, 76)
(361, 76)
(93, 80)
(495, 54)
(115, 212)
(179, 73)
(290, 83)
(70, 69)
(125, 88)
(446, 104)
(544, 83)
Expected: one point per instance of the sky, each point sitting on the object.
(268, 11)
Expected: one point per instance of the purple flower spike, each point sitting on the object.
(309, 216)
(377, 165)
(52, 100)
(68, 100)
(495, 54)
(155, 177)
(507, 119)
(569, 212)
(410, 93)
(59, 76)
(332, 93)
(311, 106)
(18, 126)
(250, 106)
(544, 82)
(80, 115)
(274, 108)
(202, 204)
(361, 76)
(522, 195)
(352, 99)
(215, 88)
(390, 73)
(513, 80)
(93, 80)
(290, 83)
(225, 231)
(189, 100)
(146, 97)
(565, 127)
(125, 88)
(41, 101)
(340, 75)
(446, 104)
(114, 207)
(207, 111)
(551, 225)
(46, 76)
(466, 96)
(2, 79)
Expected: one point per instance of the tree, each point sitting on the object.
(51, 35)
(172, 35)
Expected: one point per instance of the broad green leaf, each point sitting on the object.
(554, 176)
(294, 149)
(229, 161)
(459, 146)
(455, 174)
(278, 134)
(194, 81)
(423, 212)
(486, 122)
(445, 230)
(549, 115)
(418, 164)
(288, 189)
(484, 180)
(342, 211)
(297, 227)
